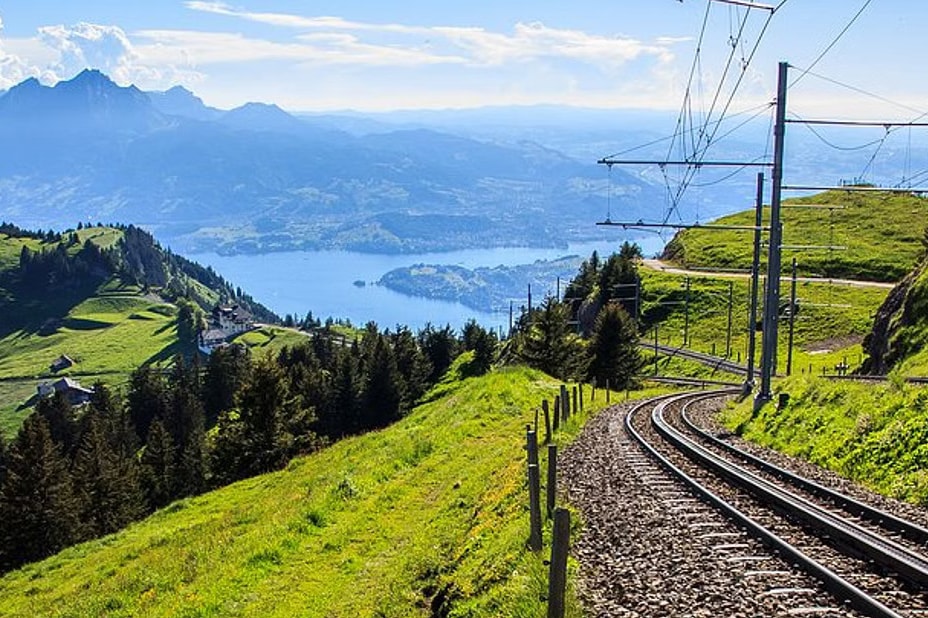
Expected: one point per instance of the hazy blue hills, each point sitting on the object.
(256, 178)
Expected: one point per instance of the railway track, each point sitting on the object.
(872, 562)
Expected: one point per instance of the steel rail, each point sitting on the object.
(863, 543)
(832, 582)
(908, 529)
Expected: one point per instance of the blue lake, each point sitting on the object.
(323, 282)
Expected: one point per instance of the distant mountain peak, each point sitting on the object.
(262, 117)
(178, 101)
(89, 97)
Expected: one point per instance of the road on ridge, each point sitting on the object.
(655, 264)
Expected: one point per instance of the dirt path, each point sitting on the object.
(654, 264)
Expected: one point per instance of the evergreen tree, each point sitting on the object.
(189, 322)
(38, 507)
(613, 349)
(412, 365)
(484, 345)
(184, 422)
(3, 459)
(106, 485)
(383, 390)
(62, 424)
(147, 399)
(441, 347)
(346, 384)
(157, 466)
(262, 403)
(226, 370)
(548, 344)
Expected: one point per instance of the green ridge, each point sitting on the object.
(880, 233)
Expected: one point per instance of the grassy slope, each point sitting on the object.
(376, 525)
(876, 434)
(831, 322)
(109, 332)
(877, 230)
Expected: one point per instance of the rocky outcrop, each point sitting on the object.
(901, 324)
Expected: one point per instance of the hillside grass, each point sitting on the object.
(881, 233)
(428, 515)
(831, 322)
(874, 434)
(106, 333)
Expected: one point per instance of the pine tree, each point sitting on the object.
(614, 353)
(484, 345)
(62, 425)
(262, 403)
(346, 384)
(147, 399)
(38, 507)
(441, 347)
(382, 390)
(226, 371)
(184, 421)
(412, 365)
(106, 484)
(4, 455)
(548, 343)
(157, 466)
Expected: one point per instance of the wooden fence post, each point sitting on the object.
(534, 503)
(557, 412)
(608, 392)
(531, 446)
(581, 396)
(565, 403)
(551, 490)
(557, 577)
(575, 406)
(547, 413)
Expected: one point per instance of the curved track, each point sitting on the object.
(870, 559)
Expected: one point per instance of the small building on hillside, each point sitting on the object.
(225, 322)
(211, 339)
(61, 363)
(75, 393)
(231, 319)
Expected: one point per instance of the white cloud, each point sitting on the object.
(203, 48)
(108, 48)
(474, 45)
(12, 68)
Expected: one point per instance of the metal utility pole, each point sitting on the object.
(792, 321)
(686, 314)
(755, 278)
(772, 296)
(731, 298)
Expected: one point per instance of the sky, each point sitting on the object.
(372, 55)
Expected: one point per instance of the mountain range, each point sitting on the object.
(255, 178)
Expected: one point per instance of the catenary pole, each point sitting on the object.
(772, 296)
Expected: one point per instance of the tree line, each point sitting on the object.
(591, 334)
(73, 474)
(61, 261)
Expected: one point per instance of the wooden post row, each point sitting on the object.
(557, 412)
